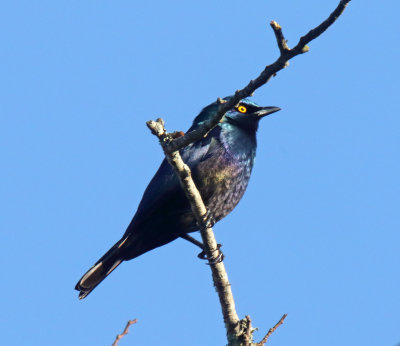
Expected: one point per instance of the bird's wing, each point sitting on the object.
(161, 188)
(164, 189)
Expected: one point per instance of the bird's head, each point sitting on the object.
(246, 114)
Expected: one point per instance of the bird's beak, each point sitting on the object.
(266, 110)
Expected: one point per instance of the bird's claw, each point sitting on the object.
(208, 220)
(202, 255)
(217, 259)
(220, 257)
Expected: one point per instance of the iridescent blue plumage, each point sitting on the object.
(221, 164)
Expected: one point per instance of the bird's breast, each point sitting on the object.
(222, 181)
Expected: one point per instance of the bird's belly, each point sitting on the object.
(222, 187)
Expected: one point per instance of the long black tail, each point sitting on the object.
(103, 267)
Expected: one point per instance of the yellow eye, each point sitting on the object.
(242, 109)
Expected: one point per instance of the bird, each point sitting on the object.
(221, 164)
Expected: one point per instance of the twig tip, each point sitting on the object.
(275, 25)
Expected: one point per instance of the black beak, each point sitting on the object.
(264, 111)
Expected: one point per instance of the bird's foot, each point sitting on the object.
(217, 259)
(208, 220)
(202, 255)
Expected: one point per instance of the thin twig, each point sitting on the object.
(263, 78)
(126, 330)
(280, 39)
(264, 340)
(320, 29)
(248, 331)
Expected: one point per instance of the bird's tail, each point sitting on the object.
(103, 267)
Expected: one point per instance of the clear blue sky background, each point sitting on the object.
(317, 233)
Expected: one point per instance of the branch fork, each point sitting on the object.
(126, 330)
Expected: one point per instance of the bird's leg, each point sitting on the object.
(209, 221)
(202, 255)
(192, 240)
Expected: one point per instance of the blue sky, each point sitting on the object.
(317, 232)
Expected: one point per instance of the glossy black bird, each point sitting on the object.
(221, 165)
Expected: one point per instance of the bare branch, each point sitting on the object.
(238, 332)
(219, 274)
(264, 340)
(263, 78)
(126, 330)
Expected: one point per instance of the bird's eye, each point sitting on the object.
(242, 109)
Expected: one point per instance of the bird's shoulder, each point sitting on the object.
(164, 186)
(208, 146)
